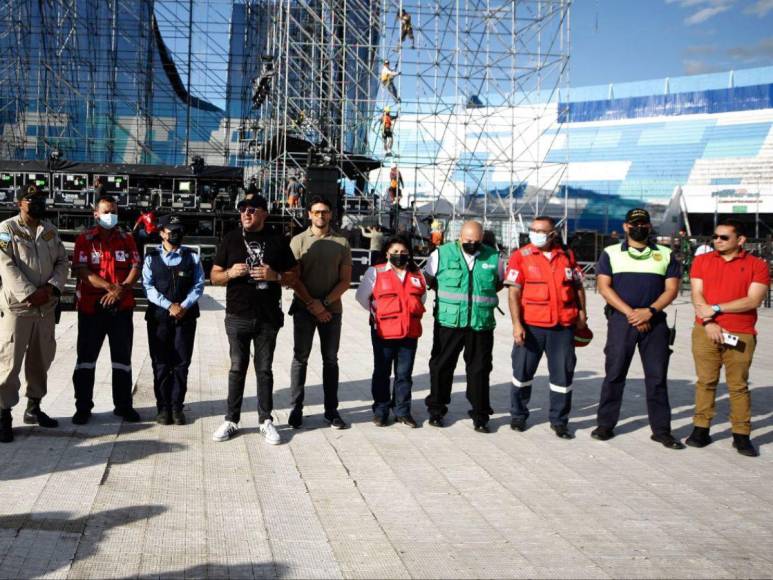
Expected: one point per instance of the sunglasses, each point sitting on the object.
(320, 212)
(722, 237)
(248, 210)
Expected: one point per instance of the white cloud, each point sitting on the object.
(699, 67)
(762, 51)
(759, 8)
(703, 10)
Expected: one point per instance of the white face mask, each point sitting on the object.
(107, 220)
(539, 239)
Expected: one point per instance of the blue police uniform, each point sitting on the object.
(639, 278)
(174, 277)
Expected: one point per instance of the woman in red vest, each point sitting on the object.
(394, 293)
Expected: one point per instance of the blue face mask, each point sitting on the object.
(107, 220)
(539, 239)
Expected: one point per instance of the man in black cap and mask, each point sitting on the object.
(173, 279)
(638, 279)
(252, 262)
(33, 269)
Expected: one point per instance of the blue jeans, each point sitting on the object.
(388, 353)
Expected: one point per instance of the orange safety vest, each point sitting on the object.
(549, 297)
(398, 308)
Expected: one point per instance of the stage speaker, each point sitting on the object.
(323, 182)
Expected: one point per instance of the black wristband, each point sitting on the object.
(652, 310)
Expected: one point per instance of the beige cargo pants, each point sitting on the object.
(33, 336)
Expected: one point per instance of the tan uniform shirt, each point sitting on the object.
(320, 260)
(27, 261)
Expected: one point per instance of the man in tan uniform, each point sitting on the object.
(33, 269)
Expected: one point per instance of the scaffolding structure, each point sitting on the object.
(132, 81)
(478, 101)
(293, 88)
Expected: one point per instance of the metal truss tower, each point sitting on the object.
(135, 81)
(478, 87)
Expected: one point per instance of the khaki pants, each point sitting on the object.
(709, 359)
(20, 335)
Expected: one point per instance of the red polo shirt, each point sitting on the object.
(111, 258)
(724, 281)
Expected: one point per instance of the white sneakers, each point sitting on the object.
(269, 432)
(228, 429)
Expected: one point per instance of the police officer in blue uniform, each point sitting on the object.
(638, 279)
(173, 279)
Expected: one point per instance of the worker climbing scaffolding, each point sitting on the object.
(406, 28)
(387, 78)
(387, 122)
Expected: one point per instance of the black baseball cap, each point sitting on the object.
(637, 215)
(170, 222)
(253, 200)
(31, 190)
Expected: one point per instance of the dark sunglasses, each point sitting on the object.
(248, 210)
(722, 237)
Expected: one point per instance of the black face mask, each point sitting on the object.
(37, 208)
(175, 237)
(398, 259)
(639, 233)
(471, 248)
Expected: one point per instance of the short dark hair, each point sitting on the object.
(104, 199)
(318, 199)
(546, 218)
(740, 229)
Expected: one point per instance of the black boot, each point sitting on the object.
(6, 422)
(164, 416)
(744, 446)
(699, 437)
(35, 416)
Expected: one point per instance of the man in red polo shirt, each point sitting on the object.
(107, 265)
(728, 285)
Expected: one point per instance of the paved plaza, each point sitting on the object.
(111, 499)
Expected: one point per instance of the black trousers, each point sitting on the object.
(447, 344)
(244, 333)
(654, 350)
(170, 343)
(118, 327)
(305, 325)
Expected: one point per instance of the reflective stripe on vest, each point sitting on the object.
(467, 299)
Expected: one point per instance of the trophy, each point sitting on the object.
(255, 260)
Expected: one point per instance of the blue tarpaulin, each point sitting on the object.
(690, 103)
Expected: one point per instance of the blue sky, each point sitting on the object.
(628, 40)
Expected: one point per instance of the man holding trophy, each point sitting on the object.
(251, 262)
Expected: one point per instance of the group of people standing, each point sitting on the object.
(637, 278)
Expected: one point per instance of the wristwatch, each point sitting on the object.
(716, 308)
(325, 302)
(653, 310)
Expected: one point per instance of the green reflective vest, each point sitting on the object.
(467, 299)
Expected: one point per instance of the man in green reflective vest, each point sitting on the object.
(466, 276)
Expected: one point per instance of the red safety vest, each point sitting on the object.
(548, 297)
(398, 308)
